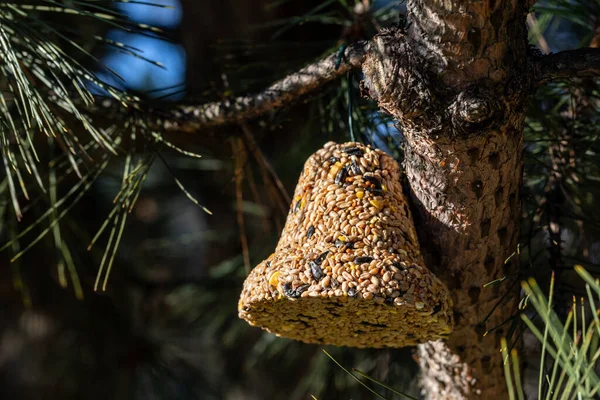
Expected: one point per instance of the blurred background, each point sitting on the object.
(166, 327)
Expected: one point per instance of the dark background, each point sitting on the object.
(167, 326)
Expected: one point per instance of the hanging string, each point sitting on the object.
(341, 56)
(350, 107)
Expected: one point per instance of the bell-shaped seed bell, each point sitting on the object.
(347, 270)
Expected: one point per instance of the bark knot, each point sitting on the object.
(397, 78)
(407, 86)
(474, 109)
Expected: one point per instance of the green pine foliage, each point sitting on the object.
(570, 351)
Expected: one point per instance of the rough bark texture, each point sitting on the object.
(567, 64)
(456, 80)
(467, 193)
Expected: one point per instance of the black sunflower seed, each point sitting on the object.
(333, 160)
(361, 260)
(351, 292)
(340, 177)
(316, 270)
(320, 259)
(310, 231)
(301, 289)
(340, 243)
(398, 265)
(297, 207)
(353, 151)
(354, 168)
(376, 192)
(288, 291)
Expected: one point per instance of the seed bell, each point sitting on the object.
(347, 270)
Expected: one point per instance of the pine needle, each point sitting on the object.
(353, 376)
(181, 187)
(383, 384)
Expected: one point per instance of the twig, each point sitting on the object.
(240, 156)
(190, 118)
(264, 163)
(567, 64)
(257, 200)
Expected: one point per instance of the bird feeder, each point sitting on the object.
(347, 270)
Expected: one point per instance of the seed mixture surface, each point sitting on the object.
(347, 270)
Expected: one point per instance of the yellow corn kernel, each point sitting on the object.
(392, 208)
(274, 279)
(360, 194)
(335, 169)
(342, 238)
(383, 187)
(377, 203)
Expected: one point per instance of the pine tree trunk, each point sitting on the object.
(456, 80)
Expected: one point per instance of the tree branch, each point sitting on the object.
(567, 64)
(190, 118)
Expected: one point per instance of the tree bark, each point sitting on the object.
(567, 64)
(456, 80)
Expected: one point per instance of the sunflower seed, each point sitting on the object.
(340, 177)
(316, 271)
(353, 151)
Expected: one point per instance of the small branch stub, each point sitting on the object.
(473, 110)
(404, 86)
(568, 64)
